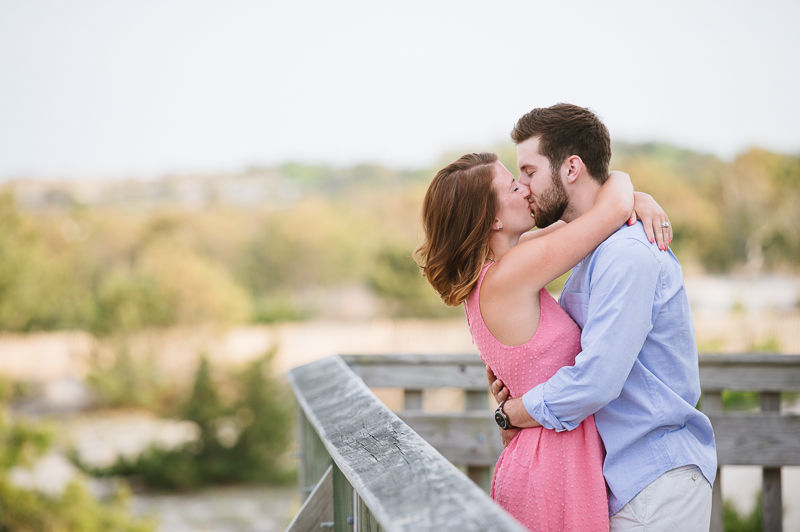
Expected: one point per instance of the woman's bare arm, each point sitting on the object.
(532, 264)
(541, 232)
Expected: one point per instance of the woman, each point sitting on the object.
(478, 251)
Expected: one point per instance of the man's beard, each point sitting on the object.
(552, 203)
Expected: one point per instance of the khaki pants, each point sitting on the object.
(679, 500)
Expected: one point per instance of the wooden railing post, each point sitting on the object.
(712, 403)
(343, 504)
(412, 400)
(314, 458)
(771, 496)
(479, 474)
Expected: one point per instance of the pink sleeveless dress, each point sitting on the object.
(547, 480)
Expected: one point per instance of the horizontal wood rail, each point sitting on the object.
(384, 475)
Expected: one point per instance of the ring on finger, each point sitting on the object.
(665, 225)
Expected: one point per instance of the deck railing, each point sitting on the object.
(385, 476)
(366, 470)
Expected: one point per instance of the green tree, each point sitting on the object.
(74, 510)
(242, 439)
(397, 279)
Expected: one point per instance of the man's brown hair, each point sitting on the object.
(458, 211)
(565, 130)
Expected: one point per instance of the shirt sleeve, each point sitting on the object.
(622, 288)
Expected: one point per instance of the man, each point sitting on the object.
(638, 370)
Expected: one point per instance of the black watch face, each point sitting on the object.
(501, 420)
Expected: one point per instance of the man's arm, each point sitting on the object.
(620, 315)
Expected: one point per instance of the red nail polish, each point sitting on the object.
(652, 240)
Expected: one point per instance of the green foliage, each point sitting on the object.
(751, 400)
(115, 270)
(127, 383)
(724, 215)
(740, 400)
(241, 439)
(21, 443)
(75, 510)
(35, 289)
(557, 285)
(277, 307)
(397, 279)
(735, 522)
(770, 344)
(127, 302)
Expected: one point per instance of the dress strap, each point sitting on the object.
(476, 291)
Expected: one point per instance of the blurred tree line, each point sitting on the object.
(244, 429)
(111, 270)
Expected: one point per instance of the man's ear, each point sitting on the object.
(573, 168)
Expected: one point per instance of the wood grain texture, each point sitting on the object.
(741, 372)
(764, 438)
(750, 372)
(406, 484)
(468, 377)
(466, 438)
(772, 499)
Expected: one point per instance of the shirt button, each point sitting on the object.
(694, 476)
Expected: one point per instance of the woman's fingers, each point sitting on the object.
(508, 435)
(649, 231)
(657, 228)
(502, 394)
(499, 391)
(664, 231)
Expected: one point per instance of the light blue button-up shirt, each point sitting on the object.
(638, 370)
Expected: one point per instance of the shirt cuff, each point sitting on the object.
(533, 401)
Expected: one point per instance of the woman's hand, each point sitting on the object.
(507, 435)
(496, 386)
(653, 218)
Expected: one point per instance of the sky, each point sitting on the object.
(147, 87)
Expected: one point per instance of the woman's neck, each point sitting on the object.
(502, 243)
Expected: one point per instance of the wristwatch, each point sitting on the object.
(501, 418)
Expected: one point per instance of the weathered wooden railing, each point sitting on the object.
(361, 438)
(366, 470)
(767, 438)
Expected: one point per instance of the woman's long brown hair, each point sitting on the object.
(457, 215)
